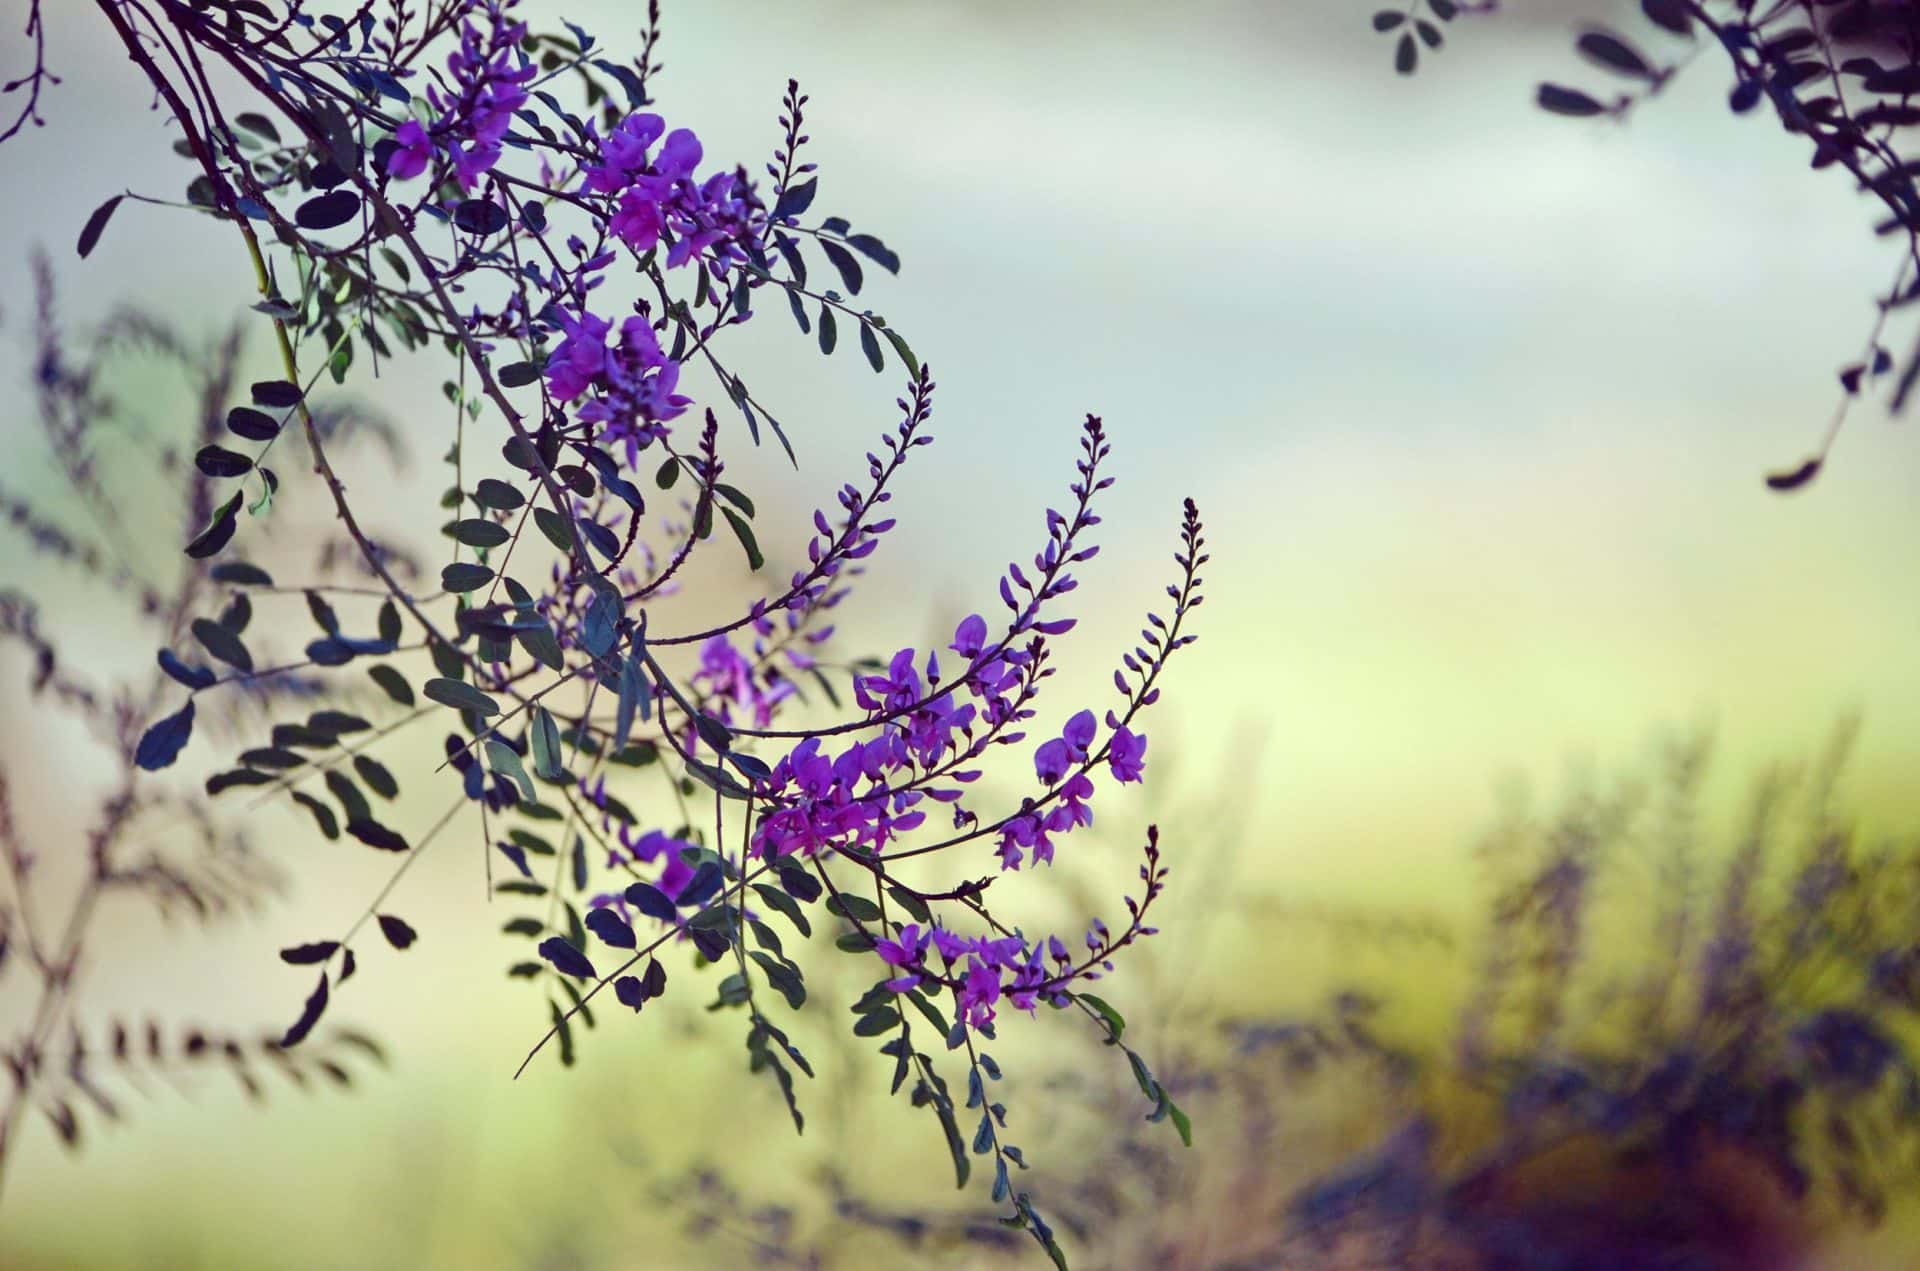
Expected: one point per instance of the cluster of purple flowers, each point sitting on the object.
(656, 194)
(630, 385)
(735, 689)
(488, 76)
(926, 738)
(515, 292)
(984, 969)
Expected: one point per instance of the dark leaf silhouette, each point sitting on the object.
(219, 531)
(96, 223)
(1607, 50)
(307, 954)
(567, 959)
(336, 207)
(398, 933)
(1567, 101)
(162, 743)
(611, 928)
(1794, 478)
(309, 1015)
(374, 834)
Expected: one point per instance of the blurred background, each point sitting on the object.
(1476, 404)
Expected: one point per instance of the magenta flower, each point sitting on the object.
(578, 359)
(623, 155)
(637, 221)
(413, 151)
(738, 694)
(679, 156)
(1078, 734)
(1051, 761)
(905, 952)
(978, 993)
(1072, 811)
(1127, 755)
(970, 636)
(950, 946)
(470, 163)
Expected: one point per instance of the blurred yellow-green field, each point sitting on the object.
(1476, 403)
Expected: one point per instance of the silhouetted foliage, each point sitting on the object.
(1667, 1055)
(438, 178)
(161, 846)
(1842, 75)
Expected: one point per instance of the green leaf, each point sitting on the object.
(634, 696)
(162, 743)
(375, 774)
(503, 759)
(859, 908)
(557, 529)
(464, 576)
(222, 644)
(780, 901)
(219, 531)
(478, 532)
(744, 532)
(844, 262)
(717, 779)
(460, 696)
(376, 835)
(962, 1166)
(348, 796)
(1182, 1124)
(899, 344)
(322, 814)
(915, 907)
(877, 1022)
(544, 736)
(537, 638)
(392, 683)
(497, 496)
(1115, 1021)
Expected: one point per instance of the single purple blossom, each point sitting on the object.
(1127, 755)
(412, 152)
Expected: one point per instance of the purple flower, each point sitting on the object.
(675, 873)
(578, 359)
(412, 152)
(970, 636)
(905, 952)
(978, 993)
(1072, 810)
(1078, 734)
(1127, 755)
(679, 156)
(726, 673)
(1028, 832)
(623, 155)
(950, 946)
(470, 163)
(637, 220)
(1051, 761)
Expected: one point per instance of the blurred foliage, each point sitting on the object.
(1669, 1053)
(162, 846)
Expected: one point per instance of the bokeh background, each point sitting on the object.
(1476, 403)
